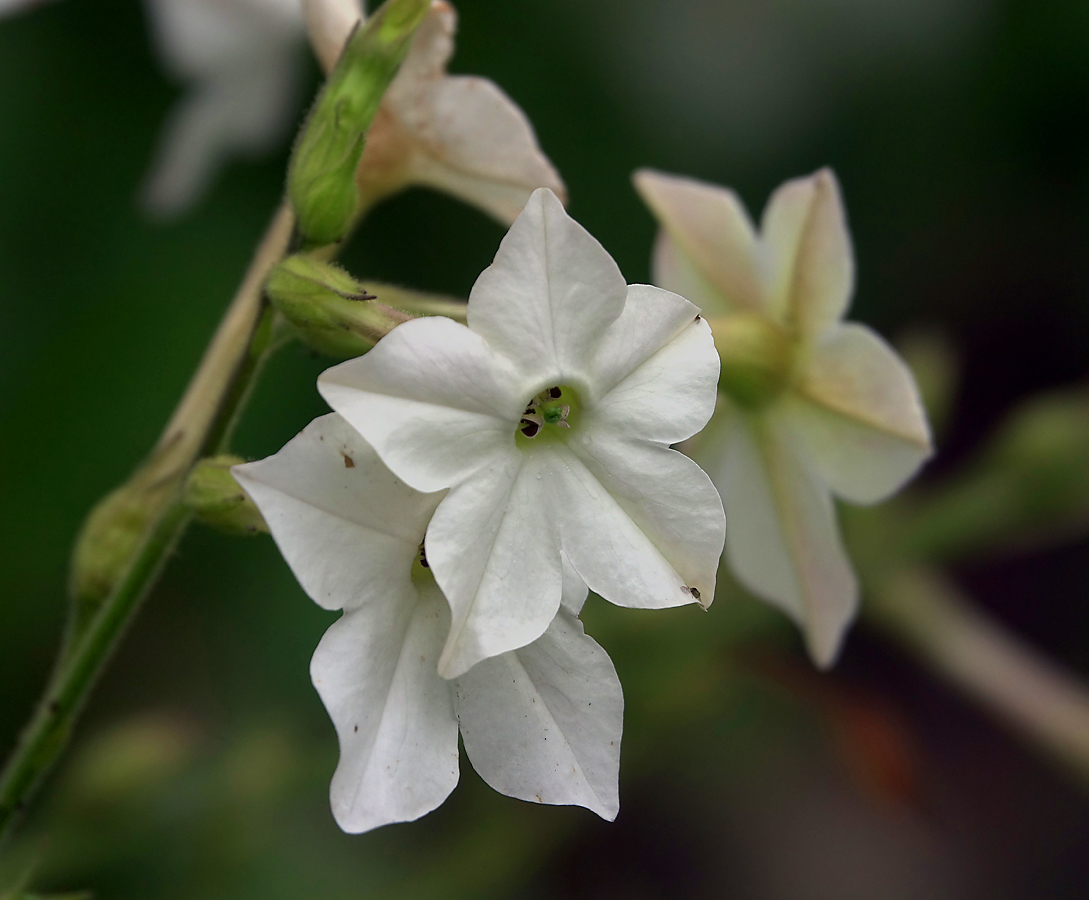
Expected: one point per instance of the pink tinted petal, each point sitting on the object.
(811, 260)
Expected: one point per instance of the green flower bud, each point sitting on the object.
(218, 500)
(321, 178)
(329, 308)
(756, 357)
(108, 540)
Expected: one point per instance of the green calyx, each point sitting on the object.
(756, 355)
(548, 416)
(218, 501)
(332, 311)
(321, 177)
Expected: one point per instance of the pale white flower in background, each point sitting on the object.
(13, 6)
(241, 60)
(542, 723)
(550, 418)
(809, 406)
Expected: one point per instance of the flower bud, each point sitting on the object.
(218, 500)
(109, 539)
(756, 358)
(331, 310)
(321, 178)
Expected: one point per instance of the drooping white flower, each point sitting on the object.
(542, 723)
(241, 58)
(809, 405)
(550, 419)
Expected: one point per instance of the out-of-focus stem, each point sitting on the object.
(1050, 707)
(200, 424)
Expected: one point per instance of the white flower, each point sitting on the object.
(549, 418)
(456, 133)
(542, 723)
(810, 406)
(241, 63)
(241, 58)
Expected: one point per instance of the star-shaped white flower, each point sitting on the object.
(810, 406)
(542, 723)
(550, 418)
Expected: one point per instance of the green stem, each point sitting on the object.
(201, 423)
(926, 613)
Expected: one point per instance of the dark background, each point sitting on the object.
(960, 132)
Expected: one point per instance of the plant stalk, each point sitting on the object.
(201, 423)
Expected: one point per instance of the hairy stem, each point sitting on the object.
(200, 424)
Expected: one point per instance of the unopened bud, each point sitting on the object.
(108, 541)
(321, 178)
(756, 358)
(331, 310)
(218, 500)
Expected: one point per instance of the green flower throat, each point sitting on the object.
(550, 414)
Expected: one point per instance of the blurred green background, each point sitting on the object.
(960, 132)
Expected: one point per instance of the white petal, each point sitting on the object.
(480, 147)
(394, 716)
(198, 38)
(433, 400)
(812, 264)
(782, 540)
(673, 271)
(548, 298)
(241, 110)
(575, 590)
(858, 412)
(544, 723)
(346, 526)
(641, 524)
(494, 551)
(461, 134)
(655, 376)
(329, 23)
(712, 232)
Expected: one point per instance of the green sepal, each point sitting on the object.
(332, 312)
(321, 177)
(218, 501)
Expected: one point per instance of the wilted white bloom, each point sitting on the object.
(542, 723)
(456, 133)
(550, 418)
(809, 406)
(241, 62)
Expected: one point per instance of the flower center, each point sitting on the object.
(757, 358)
(549, 414)
(421, 571)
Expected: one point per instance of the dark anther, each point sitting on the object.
(529, 411)
(423, 557)
(695, 592)
(554, 393)
(530, 429)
